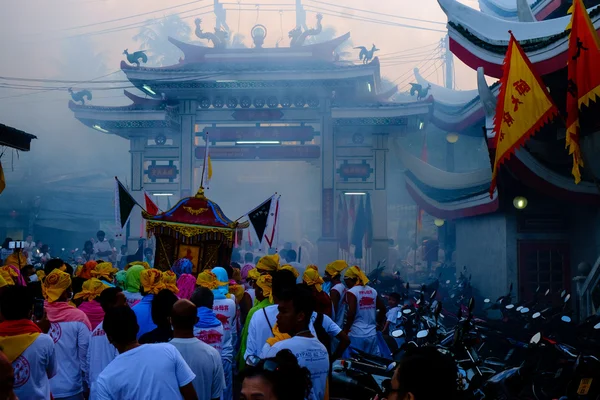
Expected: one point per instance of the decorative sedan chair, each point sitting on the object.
(196, 229)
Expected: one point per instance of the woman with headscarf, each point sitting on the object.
(120, 278)
(313, 280)
(182, 266)
(132, 285)
(12, 275)
(264, 297)
(71, 330)
(151, 284)
(169, 281)
(92, 288)
(363, 306)
(335, 288)
(226, 309)
(268, 264)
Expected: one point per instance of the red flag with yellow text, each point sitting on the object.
(583, 82)
(523, 107)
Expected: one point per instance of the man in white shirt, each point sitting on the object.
(100, 351)
(33, 361)
(203, 360)
(148, 371)
(102, 248)
(295, 310)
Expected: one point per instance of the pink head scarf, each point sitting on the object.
(186, 284)
(19, 280)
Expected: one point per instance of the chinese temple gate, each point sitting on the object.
(287, 103)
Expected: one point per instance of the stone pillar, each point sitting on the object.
(328, 244)
(379, 200)
(136, 227)
(187, 111)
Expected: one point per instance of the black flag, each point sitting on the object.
(259, 216)
(124, 203)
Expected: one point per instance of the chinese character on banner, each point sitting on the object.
(521, 87)
(508, 119)
(516, 102)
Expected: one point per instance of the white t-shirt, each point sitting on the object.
(100, 354)
(213, 336)
(340, 309)
(71, 341)
(225, 310)
(310, 354)
(132, 298)
(101, 247)
(392, 318)
(365, 323)
(148, 372)
(33, 368)
(205, 362)
(259, 331)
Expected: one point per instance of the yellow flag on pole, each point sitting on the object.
(523, 107)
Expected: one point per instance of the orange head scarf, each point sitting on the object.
(55, 284)
(92, 288)
(150, 280)
(86, 270)
(169, 281)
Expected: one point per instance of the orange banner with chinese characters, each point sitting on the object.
(583, 82)
(523, 107)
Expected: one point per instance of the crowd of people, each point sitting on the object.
(266, 328)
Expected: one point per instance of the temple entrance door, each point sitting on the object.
(545, 264)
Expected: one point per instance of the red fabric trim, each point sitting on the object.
(549, 9)
(18, 327)
(270, 242)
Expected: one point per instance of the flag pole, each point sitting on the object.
(204, 162)
(416, 234)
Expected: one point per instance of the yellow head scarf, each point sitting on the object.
(2, 281)
(356, 273)
(265, 282)
(78, 270)
(55, 285)
(209, 280)
(268, 263)
(253, 274)
(40, 274)
(335, 268)
(237, 291)
(288, 267)
(150, 279)
(8, 274)
(91, 289)
(104, 270)
(277, 336)
(169, 281)
(312, 278)
(142, 263)
(17, 259)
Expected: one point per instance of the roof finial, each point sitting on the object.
(200, 193)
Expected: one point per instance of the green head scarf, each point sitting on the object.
(121, 278)
(132, 280)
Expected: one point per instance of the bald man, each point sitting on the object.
(204, 361)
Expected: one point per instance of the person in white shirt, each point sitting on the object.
(33, 361)
(361, 317)
(208, 328)
(100, 351)
(102, 248)
(392, 320)
(203, 360)
(295, 309)
(148, 371)
(335, 288)
(70, 329)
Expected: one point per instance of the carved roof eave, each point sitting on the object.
(540, 8)
(389, 110)
(117, 112)
(193, 53)
(481, 40)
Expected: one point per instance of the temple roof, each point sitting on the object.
(443, 95)
(196, 210)
(479, 39)
(507, 9)
(15, 138)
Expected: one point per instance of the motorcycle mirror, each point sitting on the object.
(406, 311)
(486, 301)
(448, 282)
(567, 297)
(565, 318)
(472, 304)
(597, 326)
(563, 293)
(397, 333)
(433, 295)
(510, 306)
(422, 334)
(536, 315)
(536, 338)
(547, 292)
(524, 310)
